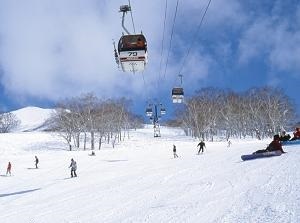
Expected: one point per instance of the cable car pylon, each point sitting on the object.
(154, 111)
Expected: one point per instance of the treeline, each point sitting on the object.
(258, 112)
(87, 117)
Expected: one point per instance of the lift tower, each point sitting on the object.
(154, 112)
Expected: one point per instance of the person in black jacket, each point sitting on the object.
(36, 161)
(174, 152)
(284, 136)
(201, 146)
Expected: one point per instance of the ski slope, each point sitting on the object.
(140, 181)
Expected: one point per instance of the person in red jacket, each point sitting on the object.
(296, 134)
(275, 145)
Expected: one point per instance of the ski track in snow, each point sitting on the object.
(140, 181)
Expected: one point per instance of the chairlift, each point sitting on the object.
(149, 112)
(177, 95)
(162, 111)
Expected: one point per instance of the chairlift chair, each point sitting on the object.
(149, 112)
(162, 111)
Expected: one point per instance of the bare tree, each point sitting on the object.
(105, 119)
(260, 112)
(8, 121)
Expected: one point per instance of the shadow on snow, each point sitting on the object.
(19, 192)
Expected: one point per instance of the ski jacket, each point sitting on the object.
(201, 144)
(174, 149)
(73, 165)
(274, 146)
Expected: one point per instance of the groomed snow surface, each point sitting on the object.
(140, 181)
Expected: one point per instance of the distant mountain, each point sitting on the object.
(32, 118)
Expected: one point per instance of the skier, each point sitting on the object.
(174, 151)
(201, 145)
(73, 167)
(8, 170)
(36, 162)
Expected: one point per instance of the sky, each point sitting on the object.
(54, 49)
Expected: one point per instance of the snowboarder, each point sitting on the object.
(201, 145)
(275, 145)
(8, 170)
(174, 151)
(36, 161)
(73, 167)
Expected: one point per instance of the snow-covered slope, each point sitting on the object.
(32, 118)
(140, 181)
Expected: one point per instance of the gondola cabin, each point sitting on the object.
(162, 111)
(177, 95)
(149, 112)
(132, 50)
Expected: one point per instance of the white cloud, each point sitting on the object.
(58, 48)
(277, 40)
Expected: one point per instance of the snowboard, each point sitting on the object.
(260, 155)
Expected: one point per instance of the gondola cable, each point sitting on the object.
(131, 17)
(162, 44)
(171, 38)
(194, 38)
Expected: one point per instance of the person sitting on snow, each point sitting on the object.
(275, 145)
(284, 136)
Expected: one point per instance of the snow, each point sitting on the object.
(140, 181)
(32, 118)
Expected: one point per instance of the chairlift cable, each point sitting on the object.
(194, 38)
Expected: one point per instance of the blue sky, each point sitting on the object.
(53, 49)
